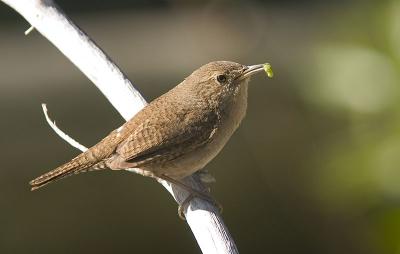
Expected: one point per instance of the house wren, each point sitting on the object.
(176, 134)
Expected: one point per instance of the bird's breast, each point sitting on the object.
(230, 120)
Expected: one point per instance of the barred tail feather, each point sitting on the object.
(56, 174)
(92, 159)
(75, 166)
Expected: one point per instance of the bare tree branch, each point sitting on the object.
(60, 133)
(47, 18)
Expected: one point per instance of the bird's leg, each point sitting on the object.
(181, 207)
(206, 177)
(193, 193)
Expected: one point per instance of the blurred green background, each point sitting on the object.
(314, 167)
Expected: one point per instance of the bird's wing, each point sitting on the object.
(166, 136)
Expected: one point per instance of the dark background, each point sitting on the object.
(314, 167)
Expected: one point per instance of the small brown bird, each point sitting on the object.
(176, 134)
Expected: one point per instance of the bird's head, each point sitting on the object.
(220, 81)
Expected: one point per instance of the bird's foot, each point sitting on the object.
(205, 176)
(193, 193)
(197, 194)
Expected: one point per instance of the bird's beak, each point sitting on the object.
(250, 71)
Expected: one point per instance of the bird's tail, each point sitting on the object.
(77, 165)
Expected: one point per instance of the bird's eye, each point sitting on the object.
(221, 78)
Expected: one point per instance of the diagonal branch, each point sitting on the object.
(47, 18)
(60, 133)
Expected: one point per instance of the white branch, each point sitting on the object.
(47, 18)
(29, 30)
(60, 133)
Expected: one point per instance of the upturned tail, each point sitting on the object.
(79, 164)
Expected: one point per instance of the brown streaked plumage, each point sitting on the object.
(177, 133)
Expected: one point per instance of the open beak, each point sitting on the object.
(250, 71)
